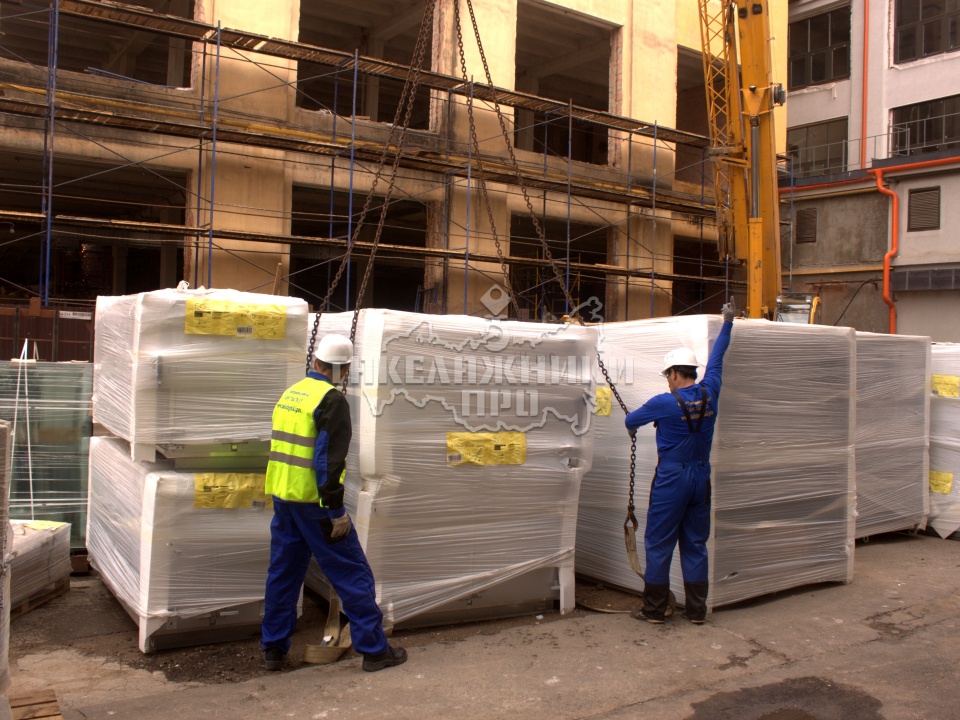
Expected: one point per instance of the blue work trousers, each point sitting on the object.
(295, 534)
(679, 511)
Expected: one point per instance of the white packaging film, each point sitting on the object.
(6, 462)
(945, 439)
(39, 558)
(183, 552)
(194, 366)
(783, 474)
(470, 439)
(893, 431)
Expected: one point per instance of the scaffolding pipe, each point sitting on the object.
(653, 230)
(213, 160)
(53, 39)
(333, 177)
(540, 308)
(196, 239)
(626, 308)
(566, 278)
(353, 144)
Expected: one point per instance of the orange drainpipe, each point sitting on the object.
(895, 223)
(894, 245)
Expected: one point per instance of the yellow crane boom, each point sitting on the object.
(741, 96)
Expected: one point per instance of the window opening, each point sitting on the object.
(819, 49)
(926, 127)
(383, 29)
(819, 149)
(925, 27)
(99, 48)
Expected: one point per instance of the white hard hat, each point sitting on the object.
(334, 350)
(684, 357)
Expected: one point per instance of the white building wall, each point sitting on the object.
(930, 247)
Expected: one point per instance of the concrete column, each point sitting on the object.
(371, 90)
(525, 118)
(257, 178)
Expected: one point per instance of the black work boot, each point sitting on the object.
(696, 608)
(273, 658)
(391, 657)
(656, 600)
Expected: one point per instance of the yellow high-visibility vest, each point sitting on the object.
(290, 474)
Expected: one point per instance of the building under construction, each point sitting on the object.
(241, 145)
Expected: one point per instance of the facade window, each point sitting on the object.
(923, 209)
(924, 28)
(819, 149)
(926, 127)
(806, 227)
(819, 49)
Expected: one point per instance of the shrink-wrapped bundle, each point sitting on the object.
(49, 402)
(6, 452)
(470, 439)
(945, 439)
(194, 366)
(186, 554)
(782, 461)
(39, 559)
(893, 431)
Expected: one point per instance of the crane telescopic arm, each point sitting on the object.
(740, 100)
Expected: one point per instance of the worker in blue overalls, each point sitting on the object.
(308, 455)
(680, 495)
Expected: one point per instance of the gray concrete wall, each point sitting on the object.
(929, 313)
(851, 230)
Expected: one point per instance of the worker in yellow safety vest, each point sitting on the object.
(308, 453)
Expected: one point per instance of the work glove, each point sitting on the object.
(341, 526)
(729, 311)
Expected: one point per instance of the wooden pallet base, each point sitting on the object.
(27, 605)
(35, 706)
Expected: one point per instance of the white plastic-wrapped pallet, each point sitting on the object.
(470, 439)
(39, 559)
(782, 461)
(185, 553)
(945, 439)
(6, 454)
(194, 366)
(893, 432)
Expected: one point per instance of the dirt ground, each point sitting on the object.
(89, 619)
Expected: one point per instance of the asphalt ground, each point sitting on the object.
(885, 646)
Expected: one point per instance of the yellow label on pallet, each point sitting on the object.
(941, 482)
(946, 385)
(261, 321)
(230, 490)
(604, 401)
(502, 448)
(44, 524)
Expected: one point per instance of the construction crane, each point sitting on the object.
(741, 96)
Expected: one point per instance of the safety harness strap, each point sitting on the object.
(686, 412)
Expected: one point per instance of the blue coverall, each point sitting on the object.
(297, 530)
(680, 495)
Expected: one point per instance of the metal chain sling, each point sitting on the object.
(631, 523)
(398, 130)
(340, 639)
